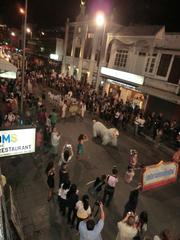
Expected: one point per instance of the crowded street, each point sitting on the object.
(42, 220)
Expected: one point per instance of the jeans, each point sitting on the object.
(108, 195)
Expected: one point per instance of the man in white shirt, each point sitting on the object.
(55, 137)
(89, 230)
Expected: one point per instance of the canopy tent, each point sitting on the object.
(7, 69)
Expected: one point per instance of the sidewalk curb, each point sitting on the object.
(161, 147)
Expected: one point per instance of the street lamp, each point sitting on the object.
(42, 33)
(100, 19)
(28, 30)
(24, 12)
(21, 10)
(100, 22)
(13, 34)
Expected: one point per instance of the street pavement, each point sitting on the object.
(41, 219)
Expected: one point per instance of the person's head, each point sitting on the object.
(114, 171)
(94, 120)
(143, 217)
(64, 167)
(73, 188)
(66, 185)
(166, 234)
(66, 154)
(90, 224)
(81, 137)
(85, 200)
(130, 221)
(54, 129)
(49, 166)
(103, 177)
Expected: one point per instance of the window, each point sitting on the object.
(142, 54)
(88, 48)
(121, 58)
(150, 63)
(77, 52)
(164, 65)
(90, 35)
(174, 76)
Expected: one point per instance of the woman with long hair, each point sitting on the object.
(72, 198)
(50, 172)
(62, 196)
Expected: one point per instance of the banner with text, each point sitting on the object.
(17, 141)
(159, 175)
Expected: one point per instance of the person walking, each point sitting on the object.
(55, 137)
(72, 199)
(109, 189)
(50, 172)
(53, 118)
(63, 174)
(62, 196)
(82, 109)
(80, 147)
(131, 204)
(64, 108)
(66, 154)
(88, 229)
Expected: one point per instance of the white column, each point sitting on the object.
(102, 54)
(93, 63)
(65, 47)
(81, 59)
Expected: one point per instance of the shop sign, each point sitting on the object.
(159, 175)
(17, 141)
(121, 75)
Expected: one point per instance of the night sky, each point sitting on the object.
(53, 13)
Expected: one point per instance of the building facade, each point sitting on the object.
(84, 43)
(140, 64)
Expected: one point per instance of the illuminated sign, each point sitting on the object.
(18, 141)
(159, 175)
(125, 76)
(8, 74)
(54, 56)
(122, 84)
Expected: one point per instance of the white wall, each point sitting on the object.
(59, 48)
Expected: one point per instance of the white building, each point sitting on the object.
(148, 53)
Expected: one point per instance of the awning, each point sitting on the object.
(170, 97)
(7, 69)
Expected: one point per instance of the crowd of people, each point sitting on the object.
(79, 212)
(114, 111)
(124, 116)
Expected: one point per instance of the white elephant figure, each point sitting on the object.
(107, 135)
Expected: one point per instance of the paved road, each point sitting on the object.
(41, 219)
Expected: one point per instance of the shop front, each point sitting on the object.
(123, 85)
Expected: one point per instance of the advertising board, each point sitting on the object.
(17, 141)
(159, 175)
